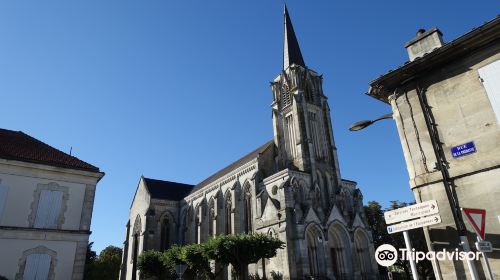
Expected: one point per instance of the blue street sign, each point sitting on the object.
(463, 150)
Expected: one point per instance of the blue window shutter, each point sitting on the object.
(42, 211)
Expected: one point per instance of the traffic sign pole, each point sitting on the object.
(413, 265)
(470, 263)
(490, 274)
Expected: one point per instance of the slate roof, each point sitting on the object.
(291, 52)
(16, 145)
(160, 189)
(234, 165)
(167, 190)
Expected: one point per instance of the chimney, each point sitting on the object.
(424, 42)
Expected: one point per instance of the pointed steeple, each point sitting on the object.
(291, 51)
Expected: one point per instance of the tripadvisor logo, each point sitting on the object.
(387, 255)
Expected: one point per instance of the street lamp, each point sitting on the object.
(362, 124)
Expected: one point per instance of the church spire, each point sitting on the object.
(291, 51)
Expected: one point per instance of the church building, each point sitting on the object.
(290, 187)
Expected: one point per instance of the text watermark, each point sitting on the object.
(387, 255)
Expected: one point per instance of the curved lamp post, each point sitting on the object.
(362, 124)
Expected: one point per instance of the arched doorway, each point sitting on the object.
(362, 254)
(340, 248)
(315, 251)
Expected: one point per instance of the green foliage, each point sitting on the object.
(196, 258)
(172, 257)
(3, 278)
(238, 250)
(154, 264)
(105, 266)
(242, 249)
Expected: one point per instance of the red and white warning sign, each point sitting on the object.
(477, 218)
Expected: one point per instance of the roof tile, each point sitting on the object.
(15, 145)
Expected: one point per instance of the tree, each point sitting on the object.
(105, 266)
(196, 257)
(242, 249)
(89, 260)
(152, 265)
(238, 250)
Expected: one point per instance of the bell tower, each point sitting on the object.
(301, 116)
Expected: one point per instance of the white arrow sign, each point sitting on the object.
(422, 222)
(411, 212)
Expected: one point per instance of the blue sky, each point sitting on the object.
(176, 90)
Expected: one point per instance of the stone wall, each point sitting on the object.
(462, 113)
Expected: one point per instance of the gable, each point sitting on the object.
(358, 222)
(335, 215)
(167, 190)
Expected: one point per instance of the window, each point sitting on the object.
(286, 97)
(37, 264)
(37, 267)
(50, 202)
(165, 234)
(3, 199)
(248, 212)
(490, 76)
(49, 208)
(212, 222)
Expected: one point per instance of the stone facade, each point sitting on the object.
(290, 188)
(448, 80)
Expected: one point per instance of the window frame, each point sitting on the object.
(36, 200)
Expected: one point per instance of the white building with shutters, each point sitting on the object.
(46, 202)
(451, 92)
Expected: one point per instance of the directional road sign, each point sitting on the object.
(422, 222)
(411, 212)
(477, 218)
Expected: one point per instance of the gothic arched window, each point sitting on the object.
(165, 234)
(211, 218)
(248, 210)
